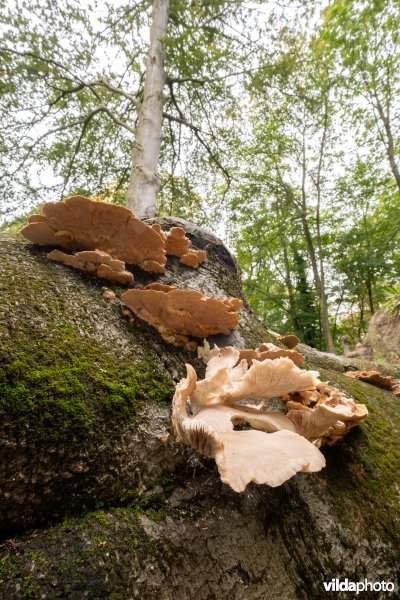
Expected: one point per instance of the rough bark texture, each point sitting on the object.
(144, 182)
(87, 455)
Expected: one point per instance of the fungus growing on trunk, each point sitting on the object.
(376, 378)
(177, 244)
(95, 261)
(319, 412)
(177, 313)
(290, 341)
(193, 258)
(272, 452)
(79, 223)
(271, 351)
(324, 415)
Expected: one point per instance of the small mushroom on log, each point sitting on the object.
(177, 313)
(290, 341)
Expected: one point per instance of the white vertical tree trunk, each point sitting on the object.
(144, 182)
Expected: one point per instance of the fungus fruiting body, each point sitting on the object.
(95, 261)
(177, 313)
(79, 223)
(278, 446)
(178, 244)
(290, 341)
(271, 351)
(376, 378)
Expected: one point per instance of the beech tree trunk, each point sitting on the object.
(144, 183)
(85, 432)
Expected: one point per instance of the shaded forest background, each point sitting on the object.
(281, 133)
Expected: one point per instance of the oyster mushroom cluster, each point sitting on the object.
(277, 446)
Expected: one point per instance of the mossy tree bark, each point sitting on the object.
(87, 454)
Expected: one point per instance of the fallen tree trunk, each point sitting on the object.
(87, 454)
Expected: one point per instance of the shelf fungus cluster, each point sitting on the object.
(177, 244)
(271, 351)
(376, 378)
(95, 261)
(276, 446)
(79, 223)
(178, 313)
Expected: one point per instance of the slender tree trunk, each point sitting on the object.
(390, 142)
(144, 183)
(370, 296)
(289, 287)
(319, 283)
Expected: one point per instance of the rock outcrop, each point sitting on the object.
(381, 343)
(87, 456)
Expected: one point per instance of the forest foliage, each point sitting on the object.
(281, 133)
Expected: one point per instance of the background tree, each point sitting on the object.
(364, 37)
(82, 84)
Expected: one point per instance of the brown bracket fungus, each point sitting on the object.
(272, 452)
(376, 378)
(177, 244)
(290, 341)
(79, 223)
(95, 261)
(177, 313)
(271, 351)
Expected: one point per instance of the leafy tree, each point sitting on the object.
(364, 38)
(82, 89)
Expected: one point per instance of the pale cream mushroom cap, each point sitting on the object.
(241, 456)
(271, 378)
(265, 458)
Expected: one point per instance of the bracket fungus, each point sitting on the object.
(271, 452)
(324, 415)
(177, 313)
(278, 446)
(79, 223)
(290, 341)
(376, 378)
(177, 244)
(271, 351)
(95, 261)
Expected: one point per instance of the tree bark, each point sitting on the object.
(390, 142)
(144, 183)
(169, 528)
(319, 279)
